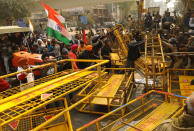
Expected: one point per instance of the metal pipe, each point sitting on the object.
(61, 113)
(49, 83)
(112, 112)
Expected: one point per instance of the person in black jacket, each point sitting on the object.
(86, 54)
(133, 53)
(96, 47)
(105, 52)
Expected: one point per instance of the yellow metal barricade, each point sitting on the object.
(120, 54)
(149, 107)
(29, 122)
(179, 81)
(17, 89)
(32, 99)
(114, 90)
(154, 63)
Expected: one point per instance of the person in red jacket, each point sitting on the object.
(73, 55)
(4, 85)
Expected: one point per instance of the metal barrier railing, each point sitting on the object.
(137, 111)
(155, 66)
(50, 64)
(123, 39)
(122, 92)
(20, 104)
(173, 76)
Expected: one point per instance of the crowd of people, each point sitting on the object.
(97, 46)
(167, 21)
(175, 35)
(51, 50)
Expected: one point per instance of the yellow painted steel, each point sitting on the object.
(52, 64)
(121, 49)
(36, 93)
(162, 110)
(34, 68)
(154, 63)
(109, 90)
(16, 89)
(115, 59)
(99, 62)
(185, 88)
(185, 79)
(37, 118)
(179, 81)
(153, 119)
(23, 103)
(62, 112)
(113, 91)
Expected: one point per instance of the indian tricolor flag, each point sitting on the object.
(55, 26)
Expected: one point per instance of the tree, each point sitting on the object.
(14, 9)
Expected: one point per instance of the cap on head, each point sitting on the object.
(74, 47)
(89, 47)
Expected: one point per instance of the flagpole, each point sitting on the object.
(27, 43)
(32, 30)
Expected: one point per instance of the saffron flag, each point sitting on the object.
(55, 27)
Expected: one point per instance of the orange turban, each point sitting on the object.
(89, 47)
(22, 61)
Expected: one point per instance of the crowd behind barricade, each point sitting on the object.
(96, 46)
(50, 50)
